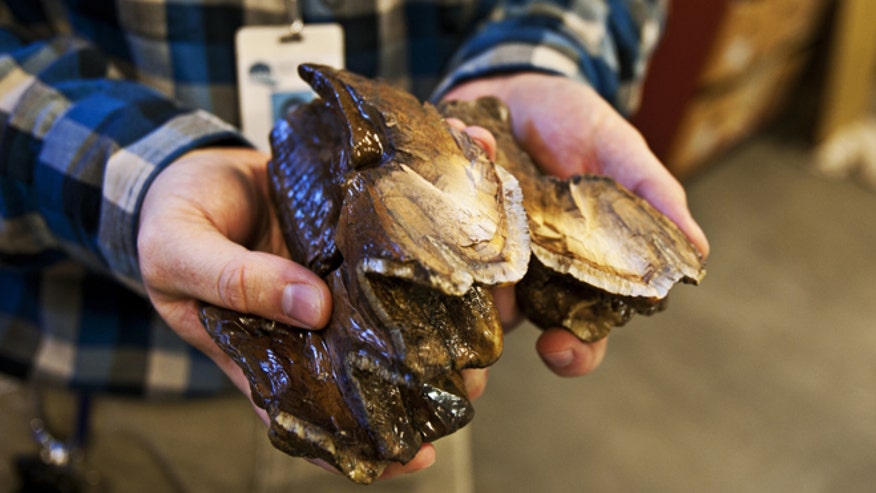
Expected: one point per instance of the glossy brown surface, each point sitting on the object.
(409, 224)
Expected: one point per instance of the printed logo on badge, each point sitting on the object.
(267, 72)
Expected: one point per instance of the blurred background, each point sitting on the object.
(763, 378)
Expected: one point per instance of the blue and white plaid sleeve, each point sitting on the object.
(81, 148)
(77, 151)
(605, 43)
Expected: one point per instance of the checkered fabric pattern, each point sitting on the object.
(97, 97)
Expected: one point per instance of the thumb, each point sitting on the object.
(269, 286)
(207, 266)
(671, 200)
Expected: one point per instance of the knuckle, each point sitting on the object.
(232, 286)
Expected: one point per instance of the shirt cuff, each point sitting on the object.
(132, 169)
(510, 58)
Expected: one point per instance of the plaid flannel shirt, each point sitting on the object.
(97, 97)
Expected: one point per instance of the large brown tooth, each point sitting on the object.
(409, 224)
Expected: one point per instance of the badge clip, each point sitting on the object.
(267, 68)
(296, 22)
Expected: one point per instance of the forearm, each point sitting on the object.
(605, 44)
(79, 150)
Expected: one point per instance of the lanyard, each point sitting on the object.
(296, 22)
(54, 451)
(59, 466)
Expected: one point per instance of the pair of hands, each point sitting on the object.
(208, 230)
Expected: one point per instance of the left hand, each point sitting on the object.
(570, 129)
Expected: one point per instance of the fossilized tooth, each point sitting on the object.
(443, 214)
(409, 224)
(600, 253)
(420, 203)
(308, 194)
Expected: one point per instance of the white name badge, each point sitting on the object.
(267, 72)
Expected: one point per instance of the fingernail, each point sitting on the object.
(559, 359)
(302, 302)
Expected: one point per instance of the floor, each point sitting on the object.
(762, 379)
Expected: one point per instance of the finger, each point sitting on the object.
(483, 137)
(204, 265)
(670, 198)
(475, 381)
(424, 459)
(568, 356)
(506, 303)
(455, 123)
(325, 465)
(634, 166)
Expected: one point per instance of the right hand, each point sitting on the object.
(208, 232)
